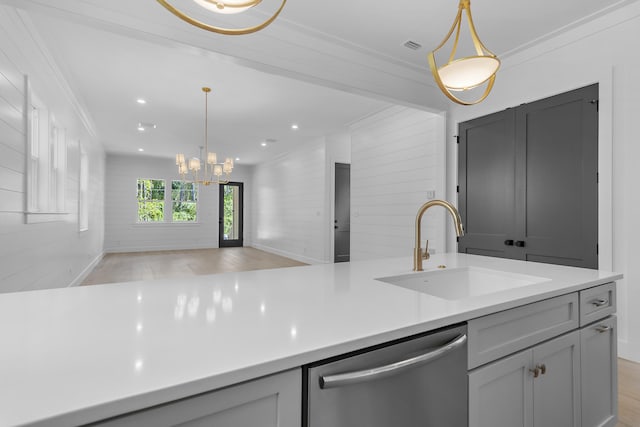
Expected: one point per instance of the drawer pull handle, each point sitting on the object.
(599, 302)
(603, 328)
(535, 371)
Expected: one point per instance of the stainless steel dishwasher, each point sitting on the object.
(420, 381)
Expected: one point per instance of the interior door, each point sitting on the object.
(230, 211)
(486, 159)
(528, 181)
(342, 214)
(557, 139)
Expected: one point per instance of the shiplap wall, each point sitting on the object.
(397, 156)
(53, 253)
(289, 204)
(124, 234)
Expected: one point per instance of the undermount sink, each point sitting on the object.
(463, 282)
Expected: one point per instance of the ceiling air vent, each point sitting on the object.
(412, 45)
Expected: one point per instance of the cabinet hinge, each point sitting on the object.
(597, 102)
(457, 188)
(597, 177)
(597, 249)
(457, 137)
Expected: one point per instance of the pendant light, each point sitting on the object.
(465, 73)
(227, 7)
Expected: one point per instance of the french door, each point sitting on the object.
(230, 211)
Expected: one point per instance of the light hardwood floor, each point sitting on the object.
(628, 394)
(126, 267)
(131, 266)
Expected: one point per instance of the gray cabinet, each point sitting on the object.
(536, 387)
(272, 401)
(528, 181)
(599, 373)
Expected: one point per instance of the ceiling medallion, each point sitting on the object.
(223, 7)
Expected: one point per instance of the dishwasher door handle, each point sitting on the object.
(348, 378)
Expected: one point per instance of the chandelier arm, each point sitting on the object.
(481, 49)
(220, 30)
(453, 26)
(455, 43)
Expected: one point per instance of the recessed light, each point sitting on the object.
(237, 159)
(264, 144)
(294, 126)
(141, 101)
(141, 149)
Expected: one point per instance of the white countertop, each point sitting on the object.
(77, 355)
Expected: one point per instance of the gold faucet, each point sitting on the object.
(418, 254)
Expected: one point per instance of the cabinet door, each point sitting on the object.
(486, 157)
(272, 401)
(500, 394)
(599, 373)
(557, 179)
(556, 390)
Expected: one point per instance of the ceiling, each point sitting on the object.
(321, 65)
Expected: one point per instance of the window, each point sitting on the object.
(150, 200)
(184, 196)
(83, 208)
(47, 161)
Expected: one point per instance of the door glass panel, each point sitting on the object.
(231, 212)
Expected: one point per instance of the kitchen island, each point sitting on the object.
(79, 355)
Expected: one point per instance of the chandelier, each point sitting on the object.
(213, 170)
(223, 7)
(468, 72)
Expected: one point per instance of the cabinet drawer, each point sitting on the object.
(496, 335)
(597, 303)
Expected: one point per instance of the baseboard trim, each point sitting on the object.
(87, 270)
(121, 249)
(291, 255)
(626, 351)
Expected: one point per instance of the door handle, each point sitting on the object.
(520, 243)
(508, 242)
(391, 369)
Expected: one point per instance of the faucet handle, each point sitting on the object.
(426, 255)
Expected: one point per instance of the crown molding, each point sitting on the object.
(283, 49)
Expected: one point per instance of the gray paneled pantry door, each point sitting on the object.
(528, 181)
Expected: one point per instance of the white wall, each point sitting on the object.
(397, 157)
(599, 51)
(124, 234)
(289, 211)
(50, 251)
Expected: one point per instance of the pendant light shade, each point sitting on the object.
(468, 72)
(227, 7)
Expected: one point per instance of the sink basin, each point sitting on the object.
(462, 283)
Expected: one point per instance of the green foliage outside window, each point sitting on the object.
(184, 196)
(150, 200)
(229, 193)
